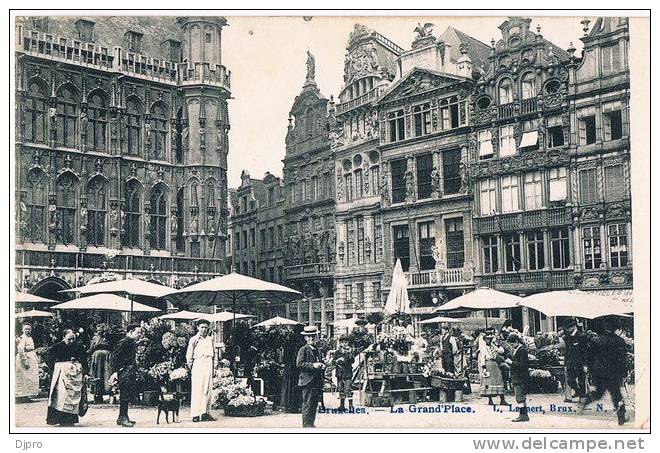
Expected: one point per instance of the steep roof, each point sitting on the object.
(477, 50)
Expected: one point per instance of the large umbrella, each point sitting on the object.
(348, 323)
(397, 299)
(225, 316)
(27, 298)
(185, 315)
(277, 321)
(104, 302)
(440, 320)
(232, 288)
(130, 286)
(34, 314)
(483, 299)
(577, 303)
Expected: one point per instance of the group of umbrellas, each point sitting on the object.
(575, 303)
(232, 288)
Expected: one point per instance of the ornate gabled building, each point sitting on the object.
(121, 150)
(425, 120)
(369, 67)
(599, 100)
(309, 239)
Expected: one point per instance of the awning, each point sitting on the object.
(529, 138)
(623, 295)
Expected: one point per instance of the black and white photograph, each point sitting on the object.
(384, 221)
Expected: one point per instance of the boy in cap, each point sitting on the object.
(200, 357)
(343, 361)
(123, 358)
(311, 369)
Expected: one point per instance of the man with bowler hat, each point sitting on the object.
(123, 357)
(311, 369)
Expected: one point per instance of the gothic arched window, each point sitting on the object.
(97, 209)
(159, 122)
(158, 218)
(35, 113)
(66, 208)
(180, 245)
(528, 85)
(67, 117)
(210, 195)
(193, 195)
(97, 124)
(133, 127)
(35, 203)
(132, 212)
(505, 90)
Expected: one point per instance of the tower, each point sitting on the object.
(204, 125)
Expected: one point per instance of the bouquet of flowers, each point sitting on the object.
(161, 371)
(168, 341)
(113, 382)
(179, 374)
(542, 381)
(547, 357)
(224, 363)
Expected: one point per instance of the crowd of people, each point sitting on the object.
(593, 365)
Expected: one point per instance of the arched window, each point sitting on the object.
(67, 117)
(35, 113)
(66, 208)
(505, 91)
(193, 195)
(180, 245)
(528, 85)
(35, 202)
(97, 122)
(179, 138)
(132, 212)
(158, 131)
(134, 127)
(210, 195)
(158, 218)
(96, 210)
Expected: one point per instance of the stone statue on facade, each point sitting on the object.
(332, 244)
(194, 224)
(84, 219)
(147, 224)
(465, 176)
(174, 226)
(410, 185)
(435, 179)
(311, 67)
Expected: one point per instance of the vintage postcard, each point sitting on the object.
(329, 222)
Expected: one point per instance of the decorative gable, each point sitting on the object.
(418, 81)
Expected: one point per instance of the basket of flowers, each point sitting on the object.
(542, 381)
(245, 405)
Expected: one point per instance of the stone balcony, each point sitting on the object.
(529, 281)
(359, 101)
(522, 220)
(313, 270)
(460, 276)
(527, 106)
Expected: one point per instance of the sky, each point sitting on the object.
(267, 59)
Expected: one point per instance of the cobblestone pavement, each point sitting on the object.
(546, 412)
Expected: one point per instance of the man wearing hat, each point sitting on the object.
(343, 361)
(575, 357)
(200, 357)
(519, 363)
(311, 369)
(123, 358)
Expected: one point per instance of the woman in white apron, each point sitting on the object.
(27, 365)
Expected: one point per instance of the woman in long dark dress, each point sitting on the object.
(100, 364)
(67, 360)
(291, 400)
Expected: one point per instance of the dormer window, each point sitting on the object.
(134, 41)
(528, 85)
(85, 30)
(505, 91)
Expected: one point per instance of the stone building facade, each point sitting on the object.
(547, 126)
(121, 150)
(309, 237)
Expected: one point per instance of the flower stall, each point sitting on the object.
(233, 396)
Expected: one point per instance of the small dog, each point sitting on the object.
(169, 405)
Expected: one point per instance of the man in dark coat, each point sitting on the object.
(123, 357)
(311, 368)
(343, 359)
(608, 367)
(519, 363)
(575, 358)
